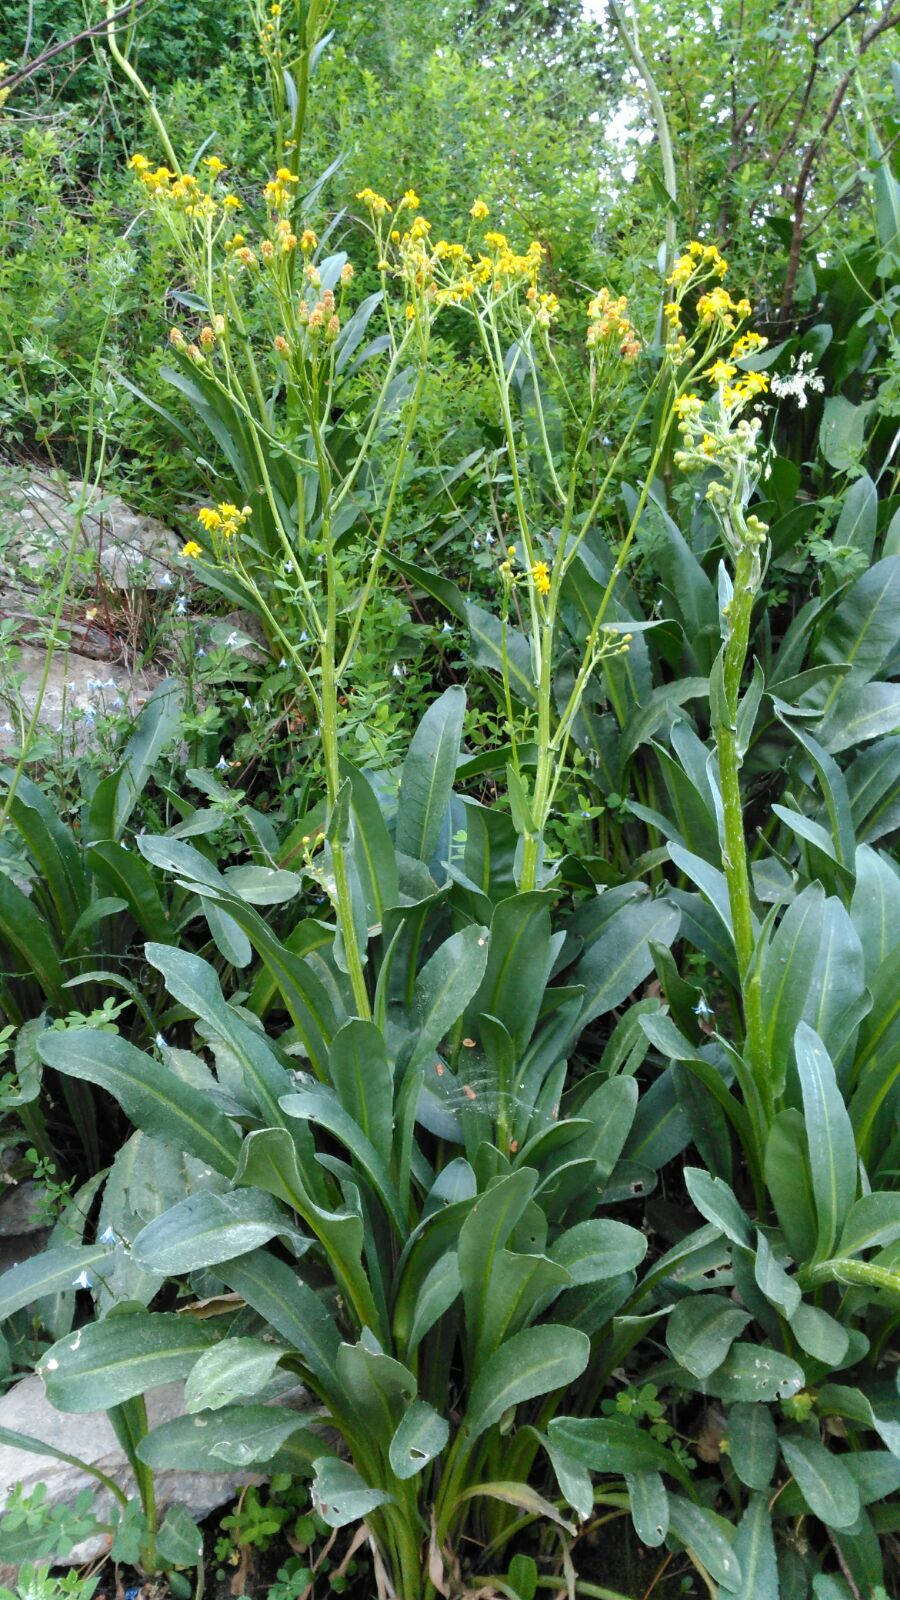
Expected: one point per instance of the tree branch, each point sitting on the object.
(13, 80)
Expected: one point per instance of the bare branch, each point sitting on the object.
(13, 80)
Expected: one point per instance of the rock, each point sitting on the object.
(76, 685)
(22, 1233)
(133, 550)
(26, 1409)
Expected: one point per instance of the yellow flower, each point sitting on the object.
(285, 175)
(139, 163)
(375, 202)
(479, 210)
(308, 241)
(688, 405)
(192, 550)
(540, 572)
(231, 202)
(215, 165)
(411, 200)
(720, 372)
(210, 518)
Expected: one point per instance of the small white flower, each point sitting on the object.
(165, 581)
(231, 641)
(108, 1236)
(247, 703)
(83, 1281)
(161, 1042)
(447, 628)
(283, 661)
(397, 671)
(221, 764)
(200, 652)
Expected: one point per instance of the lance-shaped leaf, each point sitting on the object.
(340, 1495)
(649, 1506)
(444, 988)
(752, 1443)
(829, 1132)
(322, 1107)
(206, 1228)
(824, 1482)
(754, 1547)
(702, 1532)
(269, 1161)
(107, 1362)
(701, 1330)
(295, 1311)
(47, 1273)
(237, 1435)
(232, 1370)
(620, 958)
(611, 1445)
(426, 782)
(420, 1436)
(533, 1362)
(153, 1098)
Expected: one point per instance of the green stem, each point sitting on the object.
(734, 855)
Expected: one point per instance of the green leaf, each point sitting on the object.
(373, 851)
(864, 710)
(322, 1107)
(238, 1435)
(153, 1098)
(598, 1249)
(752, 1443)
(269, 1161)
(756, 1372)
(206, 1228)
(718, 1204)
(787, 971)
(486, 639)
(46, 1274)
(26, 935)
(533, 1362)
(340, 1495)
(780, 1290)
(619, 959)
(874, 1220)
(832, 1148)
(701, 1330)
(420, 1436)
(858, 520)
(481, 1238)
(611, 1445)
(426, 782)
(231, 1370)
(820, 1335)
(649, 1507)
(789, 1183)
(823, 1480)
(445, 986)
(107, 1362)
(518, 964)
(875, 907)
(701, 1532)
(296, 1312)
(156, 727)
(179, 1542)
(754, 1547)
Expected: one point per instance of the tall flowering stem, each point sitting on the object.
(719, 440)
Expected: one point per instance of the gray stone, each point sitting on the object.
(36, 523)
(26, 1409)
(76, 685)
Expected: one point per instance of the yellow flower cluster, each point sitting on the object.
(698, 258)
(279, 190)
(183, 190)
(540, 574)
(224, 520)
(375, 202)
(608, 325)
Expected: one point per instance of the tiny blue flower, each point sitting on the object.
(304, 637)
(200, 652)
(702, 1010)
(283, 661)
(476, 544)
(489, 538)
(221, 764)
(161, 1042)
(118, 702)
(108, 1236)
(165, 581)
(447, 628)
(181, 606)
(83, 1281)
(231, 641)
(248, 704)
(585, 813)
